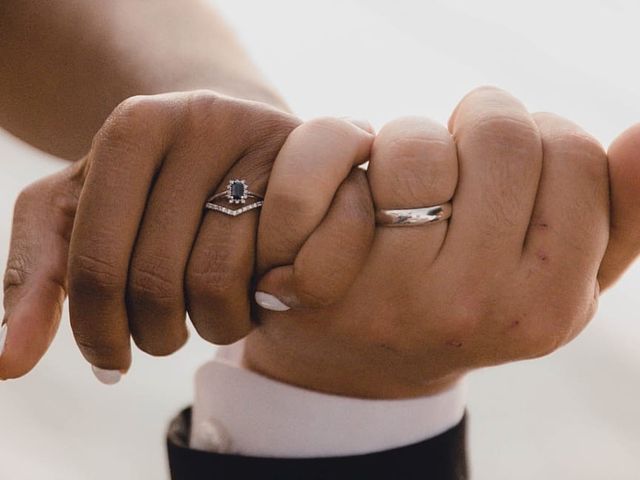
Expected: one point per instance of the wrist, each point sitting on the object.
(187, 46)
(342, 374)
(208, 74)
(89, 56)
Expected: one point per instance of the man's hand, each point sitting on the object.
(514, 274)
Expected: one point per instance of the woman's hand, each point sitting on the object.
(129, 223)
(514, 274)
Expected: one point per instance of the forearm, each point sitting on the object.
(67, 64)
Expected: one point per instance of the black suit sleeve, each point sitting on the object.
(439, 458)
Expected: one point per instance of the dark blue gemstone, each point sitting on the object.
(237, 190)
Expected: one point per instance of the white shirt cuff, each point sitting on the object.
(237, 411)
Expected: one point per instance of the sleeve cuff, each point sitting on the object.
(237, 411)
(442, 457)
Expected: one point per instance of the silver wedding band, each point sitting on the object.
(408, 217)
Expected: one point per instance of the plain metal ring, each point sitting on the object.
(408, 217)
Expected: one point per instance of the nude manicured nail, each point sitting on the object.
(3, 337)
(108, 377)
(269, 302)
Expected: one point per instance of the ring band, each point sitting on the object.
(413, 216)
(236, 193)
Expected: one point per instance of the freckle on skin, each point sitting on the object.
(540, 225)
(515, 323)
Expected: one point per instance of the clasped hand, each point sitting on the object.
(344, 306)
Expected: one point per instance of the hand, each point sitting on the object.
(515, 273)
(128, 222)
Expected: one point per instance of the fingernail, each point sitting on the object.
(3, 336)
(269, 302)
(108, 377)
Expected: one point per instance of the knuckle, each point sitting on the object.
(213, 286)
(137, 110)
(556, 324)
(471, 312)
(270, 129)
(17, 272)
(328, 127)
(486, 90)
(251, 127)
(540, 342)
(467, 316)
(151, 288)
(30, 194)
(506, 131)
(90, 275)
(485, 93)
(418, 165)
(582, 149)
(412, 149)
(131, 119)
(58, 191)
(580, 143)
(273, 127)
(211, 278)
(204, 107)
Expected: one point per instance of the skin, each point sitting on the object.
(67, 66)
(515, 274)
(365, 320)
(366, 323)
(100, 231)
(68, 63)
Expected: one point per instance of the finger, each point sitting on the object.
(413, 165)
(361, 123)
(35, 278)
(124, 159)
(331, 258)
(624, 175)
(316, 158)
(569, 228)
(220, 269)
(156, 303)
(500, 157)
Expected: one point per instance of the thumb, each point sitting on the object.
(624, 179)
(35, 277)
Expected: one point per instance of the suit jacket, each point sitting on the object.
(438, 458)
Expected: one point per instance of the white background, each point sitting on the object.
(573, 415)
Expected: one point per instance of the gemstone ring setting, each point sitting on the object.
(236, 193)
